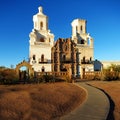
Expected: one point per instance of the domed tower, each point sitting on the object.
(41, 41)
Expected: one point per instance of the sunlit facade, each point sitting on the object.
(75, 54)
(41, 41)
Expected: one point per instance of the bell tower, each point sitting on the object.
(78, 26)
(84, 44)
(41, 42)
(40, 21)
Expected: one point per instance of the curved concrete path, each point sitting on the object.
(96, 106)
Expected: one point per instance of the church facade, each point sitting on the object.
(74, 55)
(65, 56)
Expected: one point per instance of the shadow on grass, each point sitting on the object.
(112, 105)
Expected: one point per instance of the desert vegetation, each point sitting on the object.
(113, 90)
(8, 76)
(111, 73)
(39, 101)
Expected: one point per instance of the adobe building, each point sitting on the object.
(74, 55)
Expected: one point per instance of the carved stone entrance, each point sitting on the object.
(29, 69)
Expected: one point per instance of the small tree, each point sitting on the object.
(112, 72)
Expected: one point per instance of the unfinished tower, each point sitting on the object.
(84, 44)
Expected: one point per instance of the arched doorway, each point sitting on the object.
(24, 70)
(23, 73)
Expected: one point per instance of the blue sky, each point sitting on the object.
(103, 24)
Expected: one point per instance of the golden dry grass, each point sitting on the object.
(113, 89)
(40, 101)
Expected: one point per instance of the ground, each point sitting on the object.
(113, 90)
(40, 101)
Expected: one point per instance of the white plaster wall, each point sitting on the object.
(78, 23)
(86, 51)
(35, 50)
(38, 51)
(38, 67)
(38, 48)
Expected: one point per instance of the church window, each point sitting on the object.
(43, 69)
(42, 39)
(81, 28)
(33, 57)
(90, 58)
(84, 59)
(82, 41)
(41, 25)
(42, 58)
(49, 40)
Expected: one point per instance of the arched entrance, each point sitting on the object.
(24, 70)
(23, 73)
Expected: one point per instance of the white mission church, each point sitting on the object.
(42, 40)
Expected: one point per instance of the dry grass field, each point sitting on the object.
(113, 90)
(39, 101)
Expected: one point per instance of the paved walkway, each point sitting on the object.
(96, 106)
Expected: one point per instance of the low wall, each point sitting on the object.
(93, 75)
(55, 74)
(101, 75)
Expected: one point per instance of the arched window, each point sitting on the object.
(33, 57)
(81, 28)
(90, 58)
(42, 58)
(42, 39)
(82, 41)
(49, 40)
(43, 69)
(41, 25)
(84, 59)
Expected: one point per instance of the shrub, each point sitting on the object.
(43, 78)
(48, 78)
(109, 76)
(8, 76)
(68, 79)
